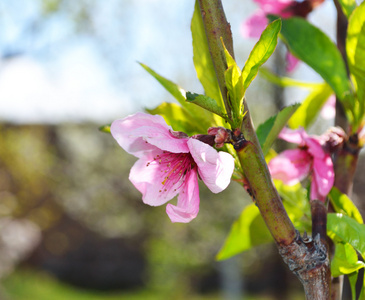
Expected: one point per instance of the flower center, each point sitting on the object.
(174, 166)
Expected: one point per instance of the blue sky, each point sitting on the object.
(52, 69)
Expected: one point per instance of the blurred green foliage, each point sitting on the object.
(49, 172)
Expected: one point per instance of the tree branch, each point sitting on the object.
(306, 257)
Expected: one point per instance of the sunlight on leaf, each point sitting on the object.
(179, 118)
(268, 131)
(311, 106)
(200, 114)
(342, 228)
(355, 49)
(261, 52)
(202, 61)
(206, 103)
(286, 81)
(315, 48)
(105, 128)
(345, 260)
(248, 231)
(343, 204)
(347, 6)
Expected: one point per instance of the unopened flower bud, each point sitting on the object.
(221, 134)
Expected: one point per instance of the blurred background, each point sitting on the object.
(71, 224)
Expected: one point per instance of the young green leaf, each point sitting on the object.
(311, 106)
(355, 48)
(315, 48)
(206, 103)
(353, 279)
(246, 232)
(347, 6)
(261, 52)
(170, 86)
(180, 119)
(179, 94)
(235, 89)
(343, 204)
(202, 60)
(345, 260)
(105, 128)
(296, 204)
(342, 228)
(268, 131)
(286, 81)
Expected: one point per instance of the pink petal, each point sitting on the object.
(314, 193)
(293, 136)
(323, 177)
(215, 168)
(328, 111)
(188, 201)
(138, 133)
(148, 179)
(254, 25)
(291, 62)
(275, 7)
(290, 166)
(314, 147)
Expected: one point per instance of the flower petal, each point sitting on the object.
(328, 111)
(148, 178)
(293, 136)
(323, 176)
(215, 168)
(140, 132)
(315, 147)
(254, 25)
(276, 7)
(188, 200)
(291, 62)
(290, 166)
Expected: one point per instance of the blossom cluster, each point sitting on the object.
(170, 162)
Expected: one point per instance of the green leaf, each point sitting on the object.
(353, 279)
(248, 231)
(345, 260)
(296, 204)
(171, 87)
(342, 228)
(343, 204)
(234, 83)
(202, 60)
(261, 52)
(180, 95)
(355, 48)
(105, 128)
(347, 6)
(315, 48)
(268, 131)
(179, 118)
(311, 106)
(362, 292)
(286, 81)
(206, 103)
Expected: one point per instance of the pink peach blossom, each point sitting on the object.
(328, 110)
(170, 163)
(255, 25)
(309, 159)
(257, 22)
